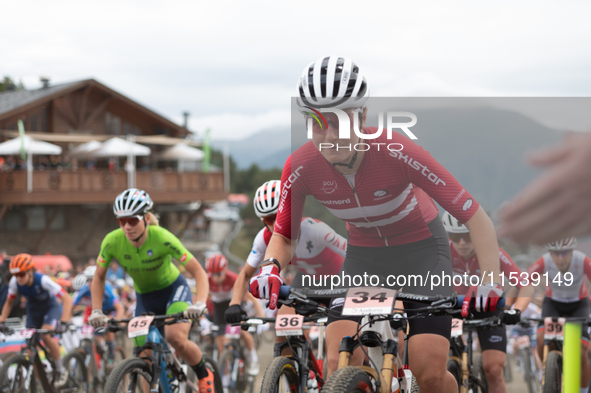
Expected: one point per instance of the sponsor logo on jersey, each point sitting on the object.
(100, 259)
(336, 202)
(380, 193)
(329, 186)
(128, 257)
(183, 258)
(467, 204)
(419, 167)
(286, 187)
(150, 253)
(495, 339)
(457, 198)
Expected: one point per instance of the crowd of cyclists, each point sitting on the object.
(394, 229)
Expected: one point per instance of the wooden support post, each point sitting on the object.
(3, 211)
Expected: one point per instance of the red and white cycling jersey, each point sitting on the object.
(320, 250)
(222, 292)
(472, 267)
(390, 203)
(558, 290)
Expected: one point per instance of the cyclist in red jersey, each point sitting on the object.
(221, 283)
(566, 292)
(493, 342)
(385, 197)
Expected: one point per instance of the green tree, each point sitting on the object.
(8, 84)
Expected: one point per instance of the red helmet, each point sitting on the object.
(21, 263)
(216, 263)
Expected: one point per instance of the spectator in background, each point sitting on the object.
(557, 204)
(90, 164)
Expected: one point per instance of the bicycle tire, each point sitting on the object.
(281, 369)
(5, 356)
(128, 366)
(479, 369)
(348, 379)
(528, 374)
(414, 386)
(226, 366)
(213, 367)
(74, 362)
(453, 366)
(553, 373)
(19, 361)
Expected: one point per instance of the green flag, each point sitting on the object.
(206, 152)
(21, 131)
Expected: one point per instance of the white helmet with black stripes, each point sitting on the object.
(132, 202)
(332, 82)
(452, 225)
(266, 198)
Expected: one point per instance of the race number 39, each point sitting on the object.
(369, 301)
(554, 330)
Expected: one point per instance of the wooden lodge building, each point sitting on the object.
(69, 209)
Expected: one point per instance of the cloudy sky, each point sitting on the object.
(234, 65)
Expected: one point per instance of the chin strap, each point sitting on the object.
(144, 231)
(352, 162)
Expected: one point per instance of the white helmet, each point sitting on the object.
(79, 281)
(266, 198)
(89, 272)
(452, 225)
(564, 244)
(332, 82)
(132, 202)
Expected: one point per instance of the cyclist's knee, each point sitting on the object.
(176, 339)
(493, 370)
(430, 380)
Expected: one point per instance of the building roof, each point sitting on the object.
(10, 100)
(13, 102)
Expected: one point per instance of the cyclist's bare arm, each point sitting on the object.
(7, 308)
(67, 306)
(257, 305)
(241, 284)
(524, 297)
(280, 249)
(97, 288)
(120, 311)
(201, 281)
(484, 238)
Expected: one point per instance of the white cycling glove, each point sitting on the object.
(196, 310)
(97, 318)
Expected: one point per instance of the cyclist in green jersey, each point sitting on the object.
(145, 250)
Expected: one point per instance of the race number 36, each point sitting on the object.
(289, 325)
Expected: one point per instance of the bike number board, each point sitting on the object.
(554, 330)
(27, 333)
(289, 325)
(369, 301)
(232, 332)
(523, 342)
(456, 327)
(86, 331)
(139, 326)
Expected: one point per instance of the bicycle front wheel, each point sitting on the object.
(348, 379)
(281, 376)
(74, 362)
(13, 375)
(553, 373)
(232, 372)
(131, 375)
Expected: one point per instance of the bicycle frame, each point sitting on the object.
(32, 353)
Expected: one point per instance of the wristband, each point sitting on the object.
(273, 260)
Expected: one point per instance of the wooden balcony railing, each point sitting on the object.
(65, 187)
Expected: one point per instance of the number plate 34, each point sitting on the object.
(369, 301)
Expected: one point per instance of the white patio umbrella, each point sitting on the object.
(32, 146)
(181, 151)
(120, 147)
(85, 149)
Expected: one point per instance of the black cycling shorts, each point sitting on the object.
(219, 309)
(425, 257)
(579, 309)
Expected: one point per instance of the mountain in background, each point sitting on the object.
(483, 148)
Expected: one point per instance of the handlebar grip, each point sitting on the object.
(500, 303)
(284, 292)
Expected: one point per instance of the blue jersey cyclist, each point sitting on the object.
(145, 250)
(43, 309)
(111, 304)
